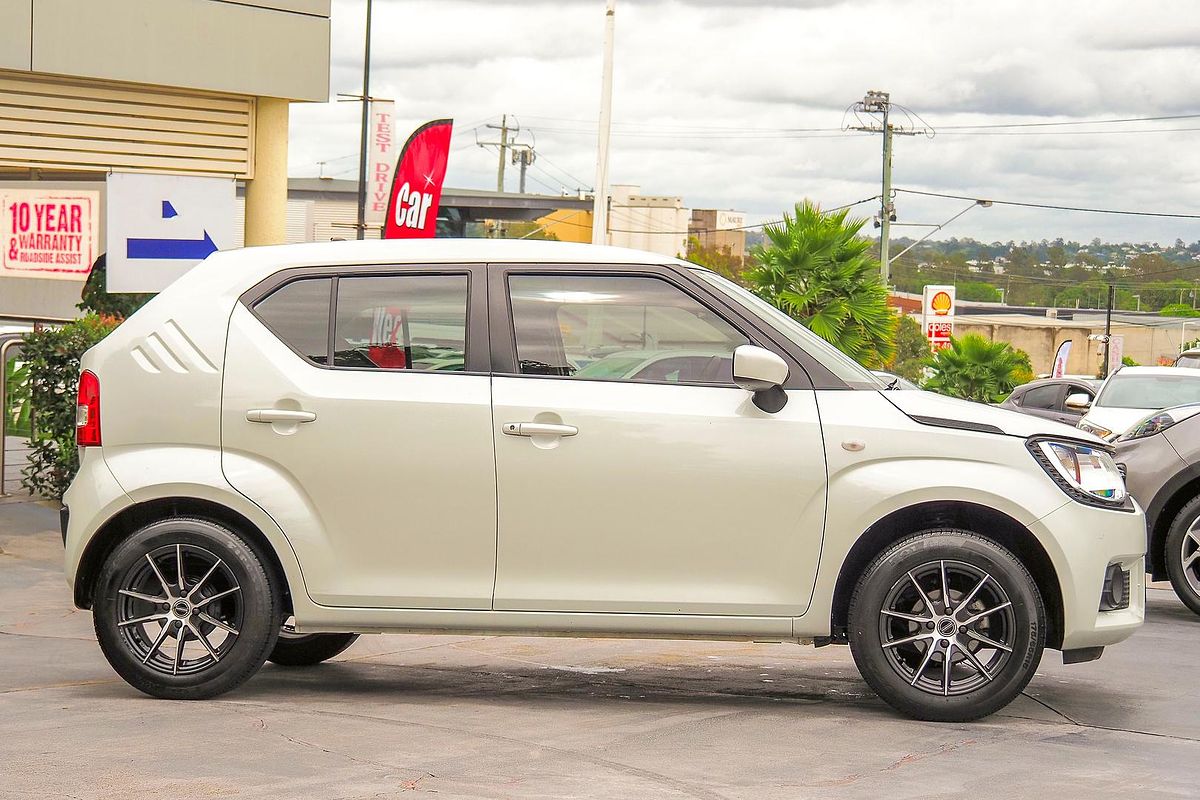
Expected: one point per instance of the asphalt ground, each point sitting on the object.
(398, 716)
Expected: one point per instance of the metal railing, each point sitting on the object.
(5, 348)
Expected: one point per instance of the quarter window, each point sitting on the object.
(298, 313)
(402, 322)
(619, 328)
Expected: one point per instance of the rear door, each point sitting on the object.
(365, 432)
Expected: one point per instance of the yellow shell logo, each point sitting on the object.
(941, 304)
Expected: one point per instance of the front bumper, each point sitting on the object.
(1082, 542)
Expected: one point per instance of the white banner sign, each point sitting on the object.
(381, 163)
(937, 315)
(48, 233)
(1116, 351)
(730, 220)
(1060, 359)
(160, 226)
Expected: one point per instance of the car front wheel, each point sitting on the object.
(184, 609)
(947, 626)
(1183, 555)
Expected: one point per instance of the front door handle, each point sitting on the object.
(270, 415)
(539, 429)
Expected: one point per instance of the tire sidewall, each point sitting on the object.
(949, 545)
(1173, 553)
(260, 616)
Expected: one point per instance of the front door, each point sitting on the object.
(369, 440)
(632, 475)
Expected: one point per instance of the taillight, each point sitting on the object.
(87, 411)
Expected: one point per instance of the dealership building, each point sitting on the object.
(178, 87)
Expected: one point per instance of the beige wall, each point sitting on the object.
(1145, 345)
(270, 48)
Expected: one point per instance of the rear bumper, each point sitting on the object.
(1087, 541)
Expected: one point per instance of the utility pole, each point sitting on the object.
(600, 196)
(507, 135)
(877, 105)
(1112, 293)
(523, 155)
(366, 121)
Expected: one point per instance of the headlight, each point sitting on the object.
(1158, 422)
(1086, 473)
(1098, 430)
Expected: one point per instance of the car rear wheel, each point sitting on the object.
(184, 609)
(1183, 555)
(947, 626)
(306, 649)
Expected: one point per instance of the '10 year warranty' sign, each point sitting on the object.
(48, 233)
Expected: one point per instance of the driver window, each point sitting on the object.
(618, 328)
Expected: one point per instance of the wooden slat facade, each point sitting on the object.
(93, 127)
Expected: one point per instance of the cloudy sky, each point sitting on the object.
(739, 104)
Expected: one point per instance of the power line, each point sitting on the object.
(1052, 206)
(1068, 122)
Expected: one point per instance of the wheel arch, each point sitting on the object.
(980, 519)
(137, 516)
(1161, 513)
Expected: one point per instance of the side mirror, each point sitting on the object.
(1079, 401)
(763, 373)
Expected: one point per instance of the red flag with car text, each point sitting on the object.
(417, 187)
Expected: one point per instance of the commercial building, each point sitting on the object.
(183, 87)
(719, 229)
(647, 222)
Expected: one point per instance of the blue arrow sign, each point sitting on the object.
(181, 249)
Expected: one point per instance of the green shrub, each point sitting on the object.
(52, 357)
(16, 379)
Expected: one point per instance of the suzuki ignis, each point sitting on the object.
(294, 445)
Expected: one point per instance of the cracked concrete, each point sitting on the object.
(551, 718)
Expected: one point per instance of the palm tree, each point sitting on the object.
(975, 368)
(818, 269)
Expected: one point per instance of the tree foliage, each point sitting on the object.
(816, 267)
(52, 356)
(975, 368)
(97, 300)
(719, 259)
(912, 351)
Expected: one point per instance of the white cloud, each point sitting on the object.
(715, 69)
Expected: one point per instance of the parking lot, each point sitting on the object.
(514, 717)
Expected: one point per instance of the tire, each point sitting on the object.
(306, 650)
(1182, 547)
(902, 654)
(204, 640)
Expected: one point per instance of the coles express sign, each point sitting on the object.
(47, 233)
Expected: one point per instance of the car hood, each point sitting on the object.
(1117, 420)
(950, 412)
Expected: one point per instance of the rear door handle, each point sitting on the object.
(270, 415)
(538, 429)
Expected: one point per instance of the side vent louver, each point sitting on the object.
(170, 349)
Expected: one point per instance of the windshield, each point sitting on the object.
(833, 359)
(1149, 391)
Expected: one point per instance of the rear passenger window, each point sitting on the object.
(1043, 397)
(402, 322)
(298, 313)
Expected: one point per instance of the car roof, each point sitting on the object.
(236, 270)
(1065, 379)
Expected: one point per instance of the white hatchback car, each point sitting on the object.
(340, 438)
(1130, 394)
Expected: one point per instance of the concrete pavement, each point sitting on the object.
(547, 718)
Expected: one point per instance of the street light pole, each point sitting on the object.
(366, 121)
(600, 194)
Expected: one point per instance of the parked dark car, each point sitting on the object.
(1160, 456)
(1047, 398)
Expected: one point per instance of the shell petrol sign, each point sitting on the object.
(937, 315)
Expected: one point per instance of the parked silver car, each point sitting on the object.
(1160, 456)
(1047, 398)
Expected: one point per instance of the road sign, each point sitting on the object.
(937, 315)
(48, 233)
(160, 226)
